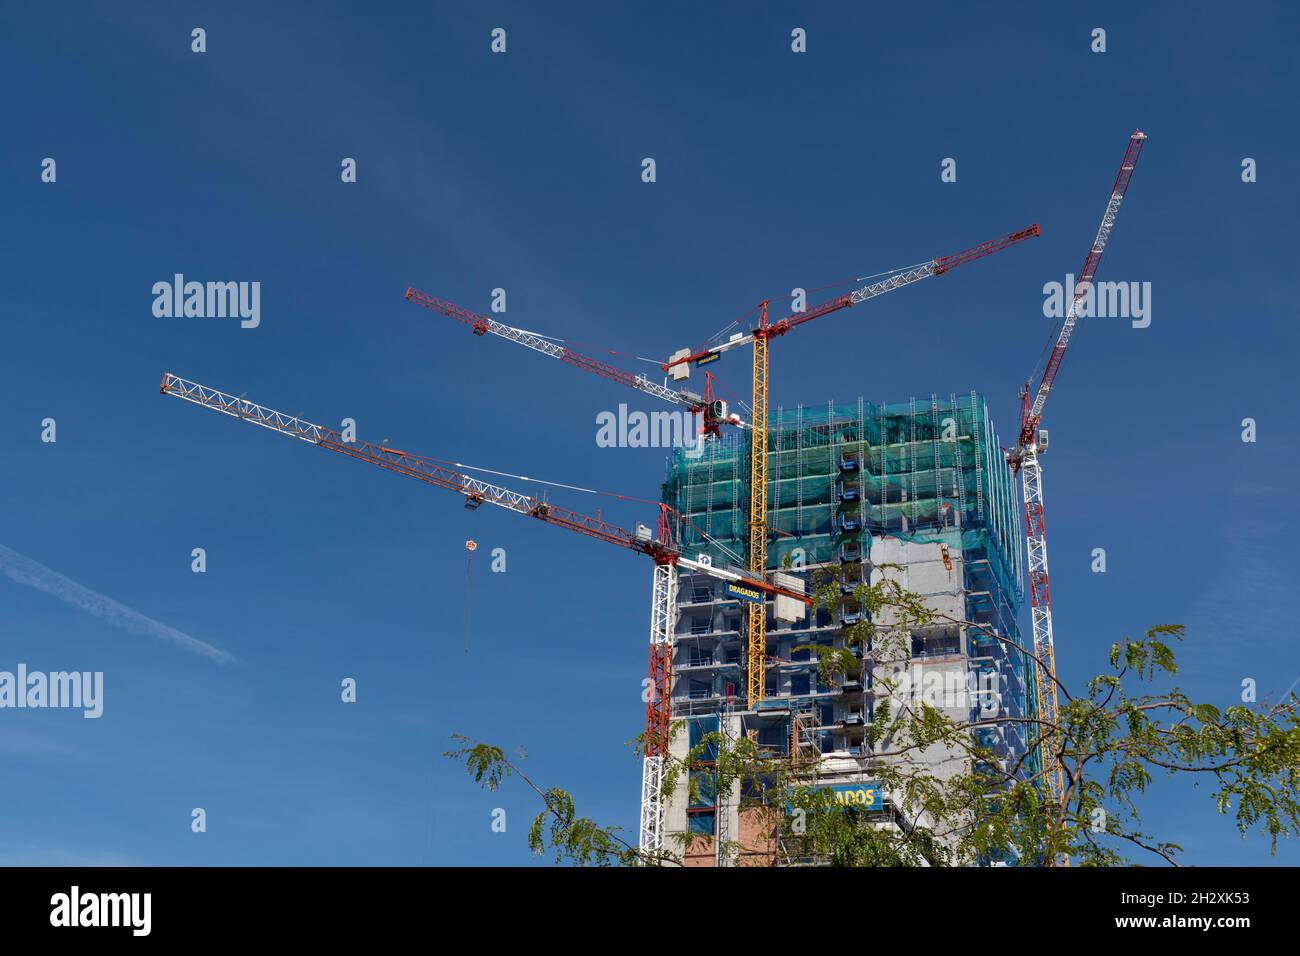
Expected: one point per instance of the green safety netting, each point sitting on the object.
(839, 472)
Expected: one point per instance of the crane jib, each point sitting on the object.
(403, 463)
(1034, 412)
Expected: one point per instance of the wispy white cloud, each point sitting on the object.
(36, 575)
(61, 856)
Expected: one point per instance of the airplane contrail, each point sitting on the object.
(36, 575)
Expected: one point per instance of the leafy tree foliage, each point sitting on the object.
(1122, 729)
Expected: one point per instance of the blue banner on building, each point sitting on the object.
(868, 795)
(865, 796)
(744, 592)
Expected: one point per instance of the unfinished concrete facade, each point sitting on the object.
(916, 492)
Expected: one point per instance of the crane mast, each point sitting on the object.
(756, 630)
(1024, 457)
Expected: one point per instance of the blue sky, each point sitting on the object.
(522, 171)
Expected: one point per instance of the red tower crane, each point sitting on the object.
(1024, 458)
(476, 492)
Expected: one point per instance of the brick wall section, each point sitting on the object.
(759, 827)
(700, 852)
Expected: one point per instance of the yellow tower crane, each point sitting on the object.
(678, 366)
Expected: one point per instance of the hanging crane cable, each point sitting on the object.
(470, 546)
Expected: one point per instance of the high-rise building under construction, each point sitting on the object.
(918, 492)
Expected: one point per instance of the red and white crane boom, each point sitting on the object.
(475, 491)
(1033, 412)
(482, 324)
(898, 280)
(1024, 458)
